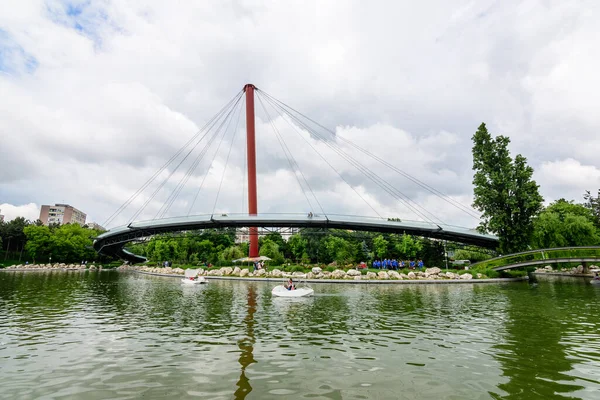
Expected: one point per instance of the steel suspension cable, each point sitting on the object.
(127, 202)
(227, 159)
(415, 180)
(382, 183)
(211, 162)
(328, 163)
(195, 164)
(167, 204)
(291, 159)
(173, 172)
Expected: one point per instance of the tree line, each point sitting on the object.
(504, 192)
(309, 246)
(23, 240)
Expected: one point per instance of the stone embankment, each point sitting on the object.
(57, 266)
(579, 270)
(430, 275)
(316, 273)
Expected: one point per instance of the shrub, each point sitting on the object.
(513, 273)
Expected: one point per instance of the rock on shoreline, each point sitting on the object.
(316, 273)
(579, 270)
(56, 266)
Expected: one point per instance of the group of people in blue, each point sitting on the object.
(394, 264)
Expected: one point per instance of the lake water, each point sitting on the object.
(100, 335)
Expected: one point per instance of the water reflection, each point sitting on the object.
(112, 335)
(246, 345)
(536, 353)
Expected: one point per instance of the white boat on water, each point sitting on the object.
(192, 278)
(282, 291)
(595, 281)
(194, 281)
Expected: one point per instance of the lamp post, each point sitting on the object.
(446, 254)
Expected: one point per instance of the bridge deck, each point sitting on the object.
(112, 242)
(547, 262)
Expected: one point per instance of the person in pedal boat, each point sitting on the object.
(290, 285)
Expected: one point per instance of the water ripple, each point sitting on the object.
(109, 335)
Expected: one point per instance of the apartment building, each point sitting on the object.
(61, 214)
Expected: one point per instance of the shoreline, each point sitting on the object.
(563, 274)
(297, 279)
(350, 281)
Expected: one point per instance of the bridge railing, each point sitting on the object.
(540, 255)
(316, 215)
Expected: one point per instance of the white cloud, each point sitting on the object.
(567, 179)
(29, 211)
(97, 95)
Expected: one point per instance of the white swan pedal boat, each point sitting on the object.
(199, 280)
(192, 277)
(281, 291)
(595, 281)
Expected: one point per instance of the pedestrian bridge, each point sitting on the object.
(113, 241)
(556, 255)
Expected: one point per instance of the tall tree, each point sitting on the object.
(593, 204)
(505, 192)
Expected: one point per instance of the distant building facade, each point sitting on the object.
(96, 226)
(61, 214)
(242, 235)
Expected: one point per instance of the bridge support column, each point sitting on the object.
(251, 150)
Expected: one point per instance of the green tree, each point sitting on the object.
(341, 250)
(471, 255)
(231, 253)
(276, 238)
(297, 246)
(39, 242)
(505, 192)
(593, 204)
(380, 246)
(364, 251)
(13, 236)
(408, 247)
(564, 223)
(315, 245)
(72, 243)
(432, 253)
(271, 249)
(205, 250)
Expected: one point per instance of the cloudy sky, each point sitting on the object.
(97, 95)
